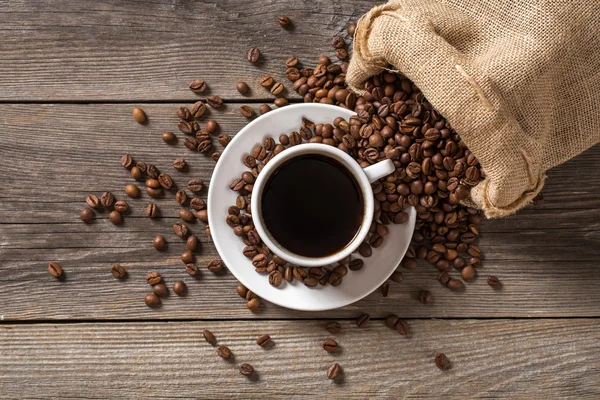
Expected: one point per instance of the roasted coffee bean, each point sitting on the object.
(311, 281)
(468, 273)
(402, 327)
(165, 181)
(187, 257)
(198, 86)
(242, 88)
(195, 185)
(55, 270)
(299, 274)
(444, 278)
(259, 261)
(280, 102)
(214, 101)
(139, 115)
(253, 55)
(337, 42)
(121, 206)
(246, 369)
(197, 204)
(198, 109)
(153, 278)
(385, 289)
(152, 300)
(330, 345)
(184, 113)
(351, 29)
(264, 108)
(253, 304)
(454, 284)
(118, 271)
(333, 327)
(92, 201)
(263, 340)
(132, 190)
(192, 243)
(159, 242)
(224, 352)
(391, 321)
(333, 371)
(247, 111)
(284, 21)
(356, 264)
(341, 270)
(216, 266)
(169, 137)
(152, 210)
(493, 281)
(241, 290)
(87, 215)
(153, 183)
(160, 290)
(180, 229)
(107, 199)
(181, 197)
(190, 142)
(277, 88)
(180, 288)
(192, 269)
(363, 320)
(127, 161)
(441, 361)
(266, 81)
(115, 217)
(186, 215)
(209, 337)
(275, 278)
(425, 297)
(202, 215)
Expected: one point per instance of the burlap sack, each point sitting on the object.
(519, 80)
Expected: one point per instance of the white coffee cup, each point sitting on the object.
(364, 178)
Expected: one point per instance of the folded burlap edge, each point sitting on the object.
(369, 59)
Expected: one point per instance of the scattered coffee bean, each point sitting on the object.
(186, 215)
(224, 352)
(192, 269)
(55, 270)
(180, 288)
(152, 210)
(441, 361)
(266, 81)
(92, 201)
(198, 109)
(152, 300)
(216, 266)
(242, 88)
(121, 206)
(160, 290)
(333, 371)
(159, 242)
(280, 102)
(212, 126)
(202, 215)
(198, 86)
(86, 215)
(115, 217)
(132, 190)
(333, 327)
(263, 340)
(192, 243)
(118, 271)
(356, 264)
(391, 321)
(241, 290)
(180, 229)
(253, 304)
(214, 101)
(330, 345)
(351, 29)
(455, 284)
(402, 327)
(209, 337)
(493, 281)
(275, 278)
(197, 204)
(169, 137)
(246, 369)
(139, 115)
(247, 111)
(425, 297)
(468, 273)
(195, 185)
(107, 199)
(181, 197)
(127, 161)
(385, 289)
(253, 55)
(397, 277)
(363, 320)
(187, 257)
(136, 173)
(184, 113)
(277, 88)
(165, 181)
(264, 108)
(284, 21)
(153, 278)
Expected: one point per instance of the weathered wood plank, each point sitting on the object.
(115, 50)
(490, 359)
(51, 156)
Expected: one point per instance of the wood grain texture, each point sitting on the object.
(52, 156)
(490, 359)
(151, 50)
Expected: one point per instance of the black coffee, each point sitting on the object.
(312, 206)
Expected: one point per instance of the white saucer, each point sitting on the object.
(356, 284)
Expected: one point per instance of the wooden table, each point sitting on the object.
(70, 74)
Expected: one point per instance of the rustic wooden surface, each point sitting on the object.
(70, 75)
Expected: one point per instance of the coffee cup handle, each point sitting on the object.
(379, 170)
